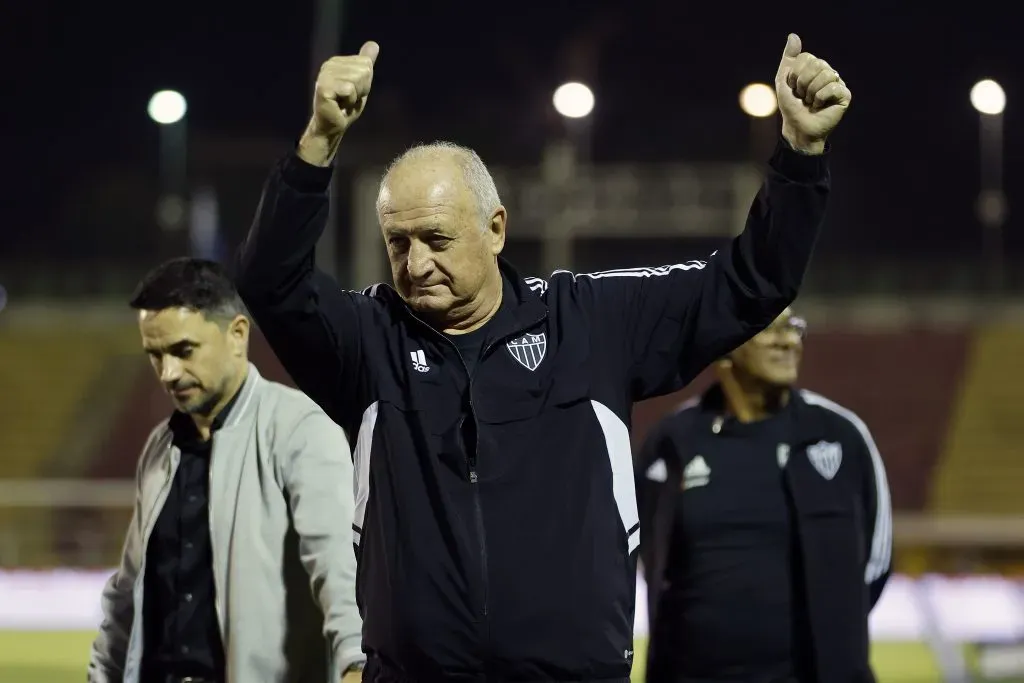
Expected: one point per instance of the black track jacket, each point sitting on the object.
(496, 517)
(838, 500)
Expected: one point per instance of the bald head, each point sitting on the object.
(442, 162)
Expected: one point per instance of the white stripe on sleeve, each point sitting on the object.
(881, 541)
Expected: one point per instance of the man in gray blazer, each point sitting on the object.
(238, 565)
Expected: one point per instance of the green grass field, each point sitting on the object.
(60, 657)
(44, 656)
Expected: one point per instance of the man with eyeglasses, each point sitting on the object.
(766, 527)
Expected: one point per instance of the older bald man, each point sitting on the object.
(496, 520)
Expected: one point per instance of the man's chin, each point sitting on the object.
(429, 302)
(191, 406)
(188, 407)
(780, 380)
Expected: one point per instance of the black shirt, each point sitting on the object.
(471, 344)
(182, 632)
(731, 571)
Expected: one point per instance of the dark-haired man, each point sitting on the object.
(244, 504)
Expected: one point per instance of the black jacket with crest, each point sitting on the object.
(834, 479)
(496, 520)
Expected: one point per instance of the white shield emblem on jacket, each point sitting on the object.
(826, 456)
(529, 350)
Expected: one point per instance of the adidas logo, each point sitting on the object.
(697, 473)
(419, 361)
(658, 471)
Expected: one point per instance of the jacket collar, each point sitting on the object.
(526, 307)
(808, 424)
(232, 414)
(245, 403)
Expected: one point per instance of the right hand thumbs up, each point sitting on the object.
(342, 87)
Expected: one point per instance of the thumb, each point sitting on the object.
(370, 49)
(794, 47)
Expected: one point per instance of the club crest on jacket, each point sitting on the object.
(529, 350)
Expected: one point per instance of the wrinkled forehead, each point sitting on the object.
(419, 183)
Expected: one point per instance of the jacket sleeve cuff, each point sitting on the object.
(349, 654)
(95, 674)
(303, 176)
(797, 166)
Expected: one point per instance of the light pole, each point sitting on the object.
(989, 100)
(758, 101)
(167, 108)
(574, 101)
(324, 45)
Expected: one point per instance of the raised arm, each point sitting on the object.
(670, 322)
(312, 324)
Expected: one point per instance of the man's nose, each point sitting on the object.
(789, 339)
(170, 370)
(420, 262)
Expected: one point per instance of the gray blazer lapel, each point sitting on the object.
(227, 463)
(157, 474)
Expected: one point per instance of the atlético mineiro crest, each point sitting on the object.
(529, 350)
(826, 456)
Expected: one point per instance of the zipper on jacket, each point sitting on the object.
(471, 458)
(474, 481)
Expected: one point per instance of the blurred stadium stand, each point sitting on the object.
(80, 400)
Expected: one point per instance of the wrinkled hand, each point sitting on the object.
(812, 97)
(342, 88)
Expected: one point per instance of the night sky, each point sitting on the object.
(666, 75)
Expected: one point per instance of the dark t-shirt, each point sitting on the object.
(471, 344)
(732, 606)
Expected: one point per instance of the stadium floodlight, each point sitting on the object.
(758, 100)
(573, 100)
(167, 107)
(988, 97)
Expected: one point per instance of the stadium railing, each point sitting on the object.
(78, 522)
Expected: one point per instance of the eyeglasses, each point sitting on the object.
(791, 327)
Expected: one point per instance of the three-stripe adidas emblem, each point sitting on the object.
(419, 361)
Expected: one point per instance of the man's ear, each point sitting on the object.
(496, 230)
(238, 335)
